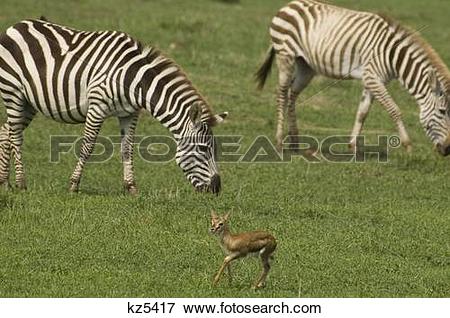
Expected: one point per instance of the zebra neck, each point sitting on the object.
(174, 112)
(168, 97)
(412, 71)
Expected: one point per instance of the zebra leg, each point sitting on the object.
(5, 156)
(303, 76)
(361, 115)
(94, 121)
(18, 119)
(379, 91)
(127, 129)
(285, 64)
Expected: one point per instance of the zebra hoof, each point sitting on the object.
(131, 188)
(73, 188)
(409, 149)
(133, 191)
(4, 185)
(21, 186)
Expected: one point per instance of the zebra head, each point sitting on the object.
(435, 116)
(196, 151)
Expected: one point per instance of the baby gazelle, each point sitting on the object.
(240, 245)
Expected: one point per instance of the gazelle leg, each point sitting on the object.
(361, 115)
(225, 264)
(127, 129)
(94, 121)
(303, 76)
(285, 64)
(379, 91)
(230, 277)
(266, 268)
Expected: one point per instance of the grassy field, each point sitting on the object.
(344, 230)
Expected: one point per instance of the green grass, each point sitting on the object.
(344, 230)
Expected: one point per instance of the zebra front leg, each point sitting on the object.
(5, 156)
(127, 129)
(92, 127)
(361, 115)
(379, 91)
(285, 64)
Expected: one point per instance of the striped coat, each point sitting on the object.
(312, 38)
(76, 76)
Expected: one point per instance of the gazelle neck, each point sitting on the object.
(225, 235)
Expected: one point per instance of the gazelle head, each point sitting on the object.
(435, 118)
(196, 153)
(219, 224)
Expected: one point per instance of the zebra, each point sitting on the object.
(74, 77)
(313, 38)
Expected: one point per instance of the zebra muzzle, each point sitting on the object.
(444, 150)
(215, 185)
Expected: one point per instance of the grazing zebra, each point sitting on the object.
(310, 37)
(84, 77)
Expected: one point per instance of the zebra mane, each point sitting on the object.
(152, 53)
(435, 60)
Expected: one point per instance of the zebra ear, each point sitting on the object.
(195, 113)
(434, 82)
(218, 119)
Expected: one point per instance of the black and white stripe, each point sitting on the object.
(310, 38)
(85, 77)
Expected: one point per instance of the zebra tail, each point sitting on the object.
(264, 70)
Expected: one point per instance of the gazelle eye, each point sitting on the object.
(220, 224)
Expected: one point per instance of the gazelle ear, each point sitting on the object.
(434, 82)
(214, 215)
(226, 216)
(218, 119)
(195, 113)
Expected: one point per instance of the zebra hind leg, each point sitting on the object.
(18, 121)
(5, 156)
(285, 64)
(303, 76)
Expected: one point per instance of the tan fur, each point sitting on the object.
(241, 245)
